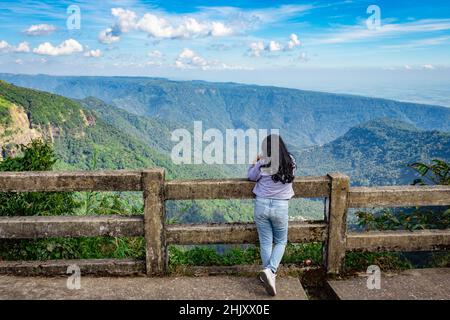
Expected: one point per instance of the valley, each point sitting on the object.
(126, 123)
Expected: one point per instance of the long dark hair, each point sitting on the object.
(285, 172)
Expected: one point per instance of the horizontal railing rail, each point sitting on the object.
(399, 196)
(158, 235)
(304, 187)
(33, 227)
(239, 233)
(400, 240)
(71, 181)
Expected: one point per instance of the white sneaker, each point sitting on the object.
(268, 279)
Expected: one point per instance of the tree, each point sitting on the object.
(36, 156)
(438, 172)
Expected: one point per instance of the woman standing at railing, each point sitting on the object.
(273, 172)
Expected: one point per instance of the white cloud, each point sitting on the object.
(126, 19)
(256, 48)
(4, 46)
(428, 67)
(19, 61)
(163, 26)
(218, 29)
(293, 41)
(408, 67)
(155, 54)
(153, 63)
(188, 59)
(108, 36)
(22, 47)
(93, 53)
(244, 19)
(421, 43)
(347, 34)
(274, 46)
(65, 48)
(40, 29)
(157, 27)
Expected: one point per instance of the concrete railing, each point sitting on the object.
(158, 235)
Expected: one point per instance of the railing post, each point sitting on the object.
(335, 245)
(154, 221)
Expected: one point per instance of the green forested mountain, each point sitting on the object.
(79, 132)
(154, 133)
(377, 152)
(305, 118)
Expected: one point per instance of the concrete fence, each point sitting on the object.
(332, 230)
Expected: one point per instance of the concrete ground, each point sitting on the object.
(417, 284)
(168, 288)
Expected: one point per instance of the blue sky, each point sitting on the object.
(308, 44)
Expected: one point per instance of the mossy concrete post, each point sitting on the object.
(154, 222)
(335, 245)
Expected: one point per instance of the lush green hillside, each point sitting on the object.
(78, 132)
(377, 153)
(304, 117)
(155, 133)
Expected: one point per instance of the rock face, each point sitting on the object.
(18, 130)
(89, 120)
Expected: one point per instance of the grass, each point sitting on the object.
(440, 259)
(72, 248)
(237, 255)
(359, 261)
(5, 116)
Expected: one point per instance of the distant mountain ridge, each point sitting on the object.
(377, 152)
(305, 118)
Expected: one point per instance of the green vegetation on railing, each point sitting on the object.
(437, 172)
(37, 156)
(399, 219)
(40, 156)
(72, 248)
(308, 254)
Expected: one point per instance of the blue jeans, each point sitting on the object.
(271, 219)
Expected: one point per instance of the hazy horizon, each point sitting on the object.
(435, 92)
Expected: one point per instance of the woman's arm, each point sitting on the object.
(254, 172)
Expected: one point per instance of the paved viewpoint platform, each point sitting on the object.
(417, 284)
(176, 288)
